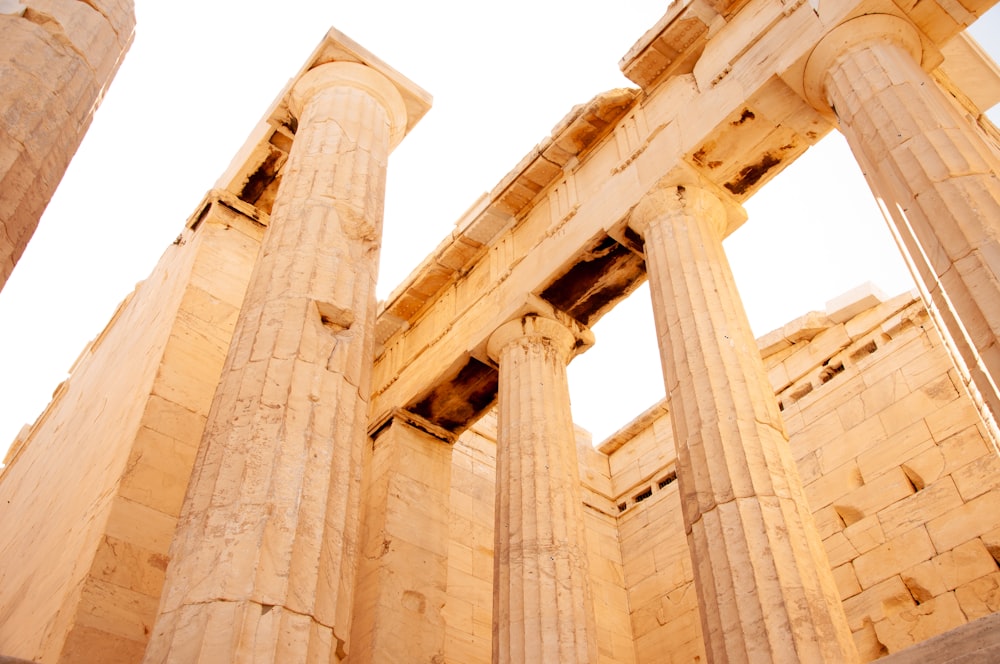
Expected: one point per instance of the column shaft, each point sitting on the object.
(542, 608)
(935, 174)
(764, 585)
(263, 558)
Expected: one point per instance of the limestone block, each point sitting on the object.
(869, 647)
(891, 558)
(978, 477)
(920, 507)
(991, 540)
(883, 393)
(855, 301)
(88, 645)
(127, 565)
(935, 616)
(926, 400)
(846, 580)
(115, 610)
(822, 431)
(866, 534)
(960, 524)
(952, 453)
(853, 442)
(839, 549)
(896, 450)
(875, 603)
(834, 485)
(980, 597)
(949, 570)
(951, 419)
(821, 347)
(827, 521)
(874, 496)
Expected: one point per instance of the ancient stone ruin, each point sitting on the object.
(284, 470)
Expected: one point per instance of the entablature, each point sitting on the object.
(557, 231)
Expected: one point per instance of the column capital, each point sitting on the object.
(531, 326)
(849, 36)
(357, 76)
(677, 199)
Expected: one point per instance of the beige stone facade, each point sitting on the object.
(283, 470)
(57, 58)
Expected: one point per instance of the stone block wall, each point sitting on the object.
(57, 58)
(94, 490)
(662, 606)
(901, 478)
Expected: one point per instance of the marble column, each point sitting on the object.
(765, 589)
(930, 167)
(542, 607)
(262, 562)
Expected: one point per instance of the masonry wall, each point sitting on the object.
(901, 479)
(57, 57)
(904, 486)
(93, 492)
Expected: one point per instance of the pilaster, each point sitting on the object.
(403, 573)
(765, 590)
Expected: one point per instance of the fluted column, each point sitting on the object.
(263, 558)
(542, 607)
(933, 171)
(765, 590)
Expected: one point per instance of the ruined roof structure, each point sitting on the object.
(255, 461)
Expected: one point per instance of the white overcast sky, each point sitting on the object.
(200, 75)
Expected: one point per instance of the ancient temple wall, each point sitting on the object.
(658, 575)
(119, 440)
(904, 486)
(59, 485)
(902, 482)
(57, 58)
(605, 555)
(468, 611)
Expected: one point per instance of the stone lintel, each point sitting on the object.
(498, 211)
(410, 419)
(227, 199)
(640, 423)
(972, 71)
